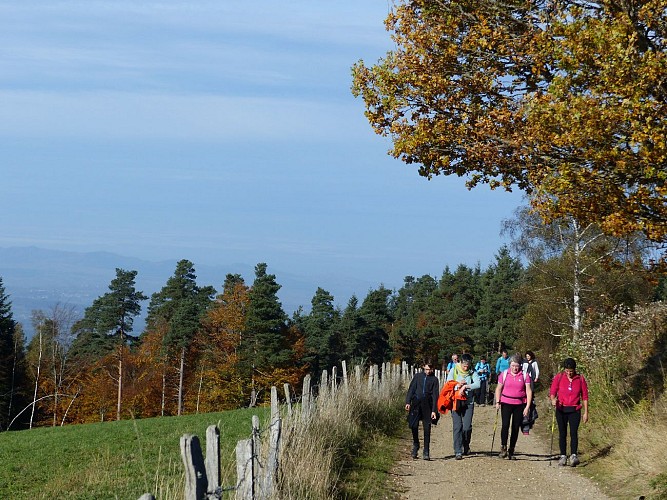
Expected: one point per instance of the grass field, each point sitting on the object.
(113, 459)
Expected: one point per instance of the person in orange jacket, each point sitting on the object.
(467, 381)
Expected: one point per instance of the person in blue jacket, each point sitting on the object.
(503, 363)
(482, 369)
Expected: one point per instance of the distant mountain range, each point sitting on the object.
(36, 278)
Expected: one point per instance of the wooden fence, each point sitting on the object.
(257, 474)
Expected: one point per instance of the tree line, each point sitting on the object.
(204, 350)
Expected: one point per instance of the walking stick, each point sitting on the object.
(495, 426)
(553, 424)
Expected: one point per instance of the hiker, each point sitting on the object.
(514, 397)
(530, 367)
(450, 366)
(467, 381)
(569, 394)
(420, 403)
(502, 363)
(482, 369)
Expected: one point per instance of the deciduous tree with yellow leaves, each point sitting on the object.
(565, 99)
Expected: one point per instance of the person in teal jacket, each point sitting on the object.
(503, 363)
(482, 369)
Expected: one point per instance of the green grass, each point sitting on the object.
(114, 459)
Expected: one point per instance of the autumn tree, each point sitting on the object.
(221, 384)
(566, 100)
(179, 306)
(107, 325)
(576, 273)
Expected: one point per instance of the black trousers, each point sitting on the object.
(426, 423)
(573, 419)
(510, 414)
(481, 394)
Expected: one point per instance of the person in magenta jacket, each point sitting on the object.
(569, 395)
(514, 396)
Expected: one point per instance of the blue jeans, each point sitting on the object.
(462, 428)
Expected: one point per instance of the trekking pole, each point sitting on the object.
(553, 425)
(495, 426)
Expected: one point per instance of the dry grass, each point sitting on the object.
(318, 448)
(623, 361)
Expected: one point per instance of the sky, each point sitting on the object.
(220, 132)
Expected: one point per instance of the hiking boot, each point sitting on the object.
(466, 450)
(503, 452)
(415, 449)
(574, 460)
(458, 456)
(510, 455)
(563, 460)
(427, 455)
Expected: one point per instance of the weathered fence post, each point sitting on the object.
(256, 449)
(244, 469)
(212, 458)
(288, 398)
(268, 484)
(334, 384)
(146, 496)
(357, 374)
(195, 470)
(324, 384)
(305, 397)
(346, 384)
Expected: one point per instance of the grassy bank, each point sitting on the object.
(625, 363)
(112, 459)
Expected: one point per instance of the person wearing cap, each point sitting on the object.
(569, 394)
(467, 381)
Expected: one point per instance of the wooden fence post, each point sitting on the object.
(256, 450)
(305, 397)
(324, 383)
(334, 372)
(288, 398)
(195, 470)
(272, 459)
(244, 470)
(357, 375)
(346, 384)
(212, 458)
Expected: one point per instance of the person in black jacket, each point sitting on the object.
(421, 403)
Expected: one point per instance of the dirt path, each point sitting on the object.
(482, 475)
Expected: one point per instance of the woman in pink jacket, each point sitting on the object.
(569, 394)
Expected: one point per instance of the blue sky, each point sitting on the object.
(221, 132)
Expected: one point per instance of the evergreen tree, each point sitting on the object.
(321, 332)
(107, 324)
(500, 311)
(410, 337)
(179, 306)
(265, 345)
(7, 355)
(373, 338)
(349, 328)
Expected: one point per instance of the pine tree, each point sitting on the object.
(376, 315)
(179, 306)
(7, 355)
(320, 328)
(107, 325)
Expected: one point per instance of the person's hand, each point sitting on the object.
(498, 404)
(433, 415)
(553, 402)
(584, 418)
(407, 407)
(526, 410)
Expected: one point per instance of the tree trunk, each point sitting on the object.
(39, 364)
(120, 383)
(180, 382)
